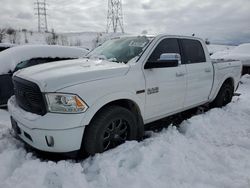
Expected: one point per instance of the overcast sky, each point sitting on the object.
(221, 21)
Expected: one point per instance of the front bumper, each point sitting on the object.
(52, 138)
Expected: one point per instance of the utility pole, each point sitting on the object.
(115, 16)
(41, 12)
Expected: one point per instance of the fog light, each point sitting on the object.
(49, 140)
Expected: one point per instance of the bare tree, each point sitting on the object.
(63, 40)
(12, 35)
(2, 34)
(49, 40)
(78, 42)
(25, 35)
(52, 39)
(97, 40)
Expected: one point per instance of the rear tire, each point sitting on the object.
(224, 96)
(112, 126)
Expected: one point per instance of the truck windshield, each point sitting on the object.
(121, 49)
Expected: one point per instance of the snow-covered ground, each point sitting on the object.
(208, 150)
(87, 40)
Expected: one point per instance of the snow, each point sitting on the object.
(209, 150)
(7, 45)
(11, 57)
(213, 48)
(14, 108)
(86, 40)
(4, 119)
(241, 52)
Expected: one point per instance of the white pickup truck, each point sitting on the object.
(93, 104)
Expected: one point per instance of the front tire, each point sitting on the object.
(112, 126)
(224, 96)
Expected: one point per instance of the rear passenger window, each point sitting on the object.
(165, 46)
(193, 51)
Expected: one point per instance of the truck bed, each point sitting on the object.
(222, 69)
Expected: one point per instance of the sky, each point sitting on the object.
(221, 21)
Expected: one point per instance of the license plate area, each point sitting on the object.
(15, 127)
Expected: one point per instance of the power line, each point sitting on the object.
(41, 12)
(115, 16)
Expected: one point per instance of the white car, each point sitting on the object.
(94, 104)
(19, 57)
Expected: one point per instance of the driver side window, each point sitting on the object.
(169, 45)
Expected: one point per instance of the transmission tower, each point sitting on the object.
(41, 12)
(115, 17)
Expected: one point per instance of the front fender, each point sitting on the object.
(102, 101)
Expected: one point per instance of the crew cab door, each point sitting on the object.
(199, 72)
(165, 86)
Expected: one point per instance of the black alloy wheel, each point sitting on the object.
(224, 96)
(115, 134)
(110, 127)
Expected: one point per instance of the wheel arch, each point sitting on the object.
(127, 103)
(123, 99)
(227, 79)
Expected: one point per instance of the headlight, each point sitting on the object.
(65, 103)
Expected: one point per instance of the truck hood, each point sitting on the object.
(57, 75)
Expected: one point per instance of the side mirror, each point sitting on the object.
(166, 60)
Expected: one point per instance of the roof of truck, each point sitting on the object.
(11, 57)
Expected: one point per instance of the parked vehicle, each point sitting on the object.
(5, 46)
(16, 58)
(94, 104)
(240, 52)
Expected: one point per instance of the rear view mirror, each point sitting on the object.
(165, 60)
(170, 57)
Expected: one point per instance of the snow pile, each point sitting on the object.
(7, 45)
(4, 119)
(241, 52)
(87, 40)
(11, 57)
(208, 150)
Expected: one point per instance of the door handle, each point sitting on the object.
(179, 74)
(207, 70)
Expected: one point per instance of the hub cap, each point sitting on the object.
(115, 134)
